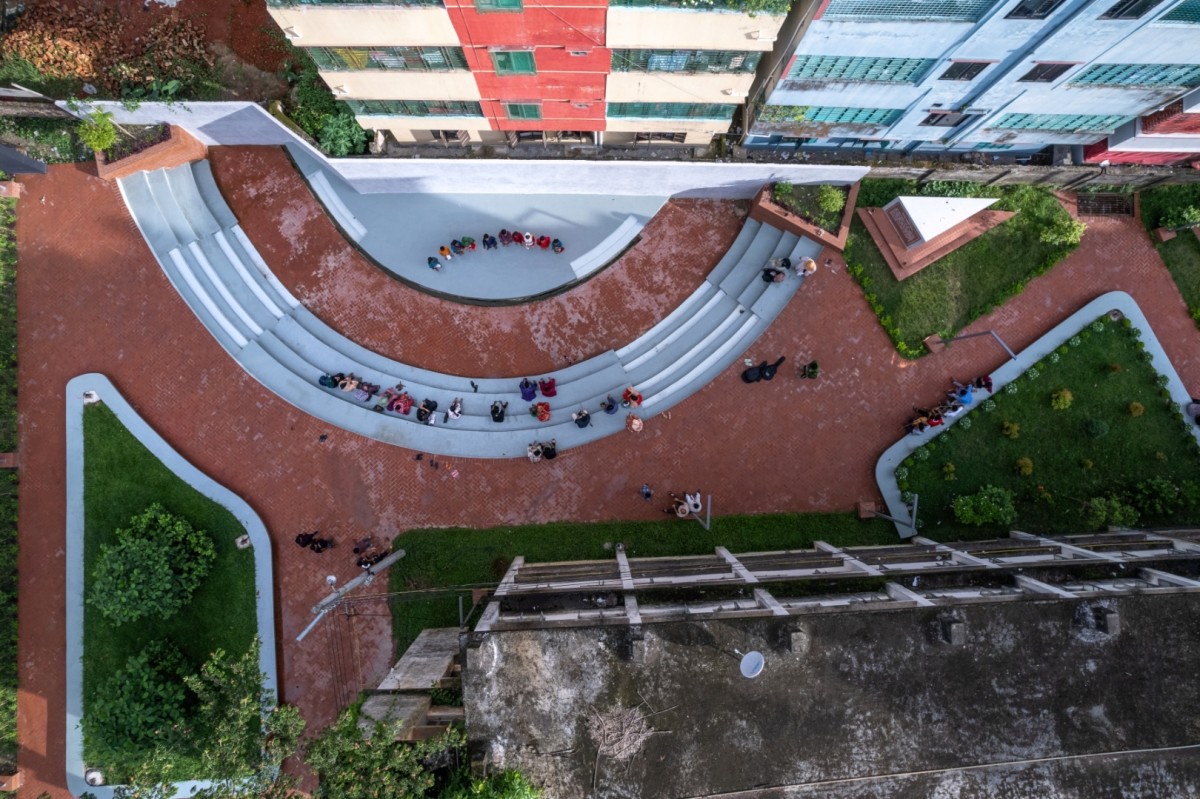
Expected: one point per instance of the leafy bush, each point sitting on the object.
(830, 200)
(1106, 511)
(1157, 497)
(989, 405)
(1136, 409)
(341, 135)
(142, 705)
(901, 473)
(1095, 428)
(97, 131)
(990, 505)
(965, 423)
(1011, 388)
(1061, 400)
(1010, 430)
(1181, 218)
(948, 472)
(1024, 467)
(152, 570)
(1063, 232)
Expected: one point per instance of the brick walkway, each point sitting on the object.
(91, 298)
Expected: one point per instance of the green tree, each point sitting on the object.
(1181, 217)
(506, 785)
(142, 705)
(831, 200)
(152, 570)
(97, 131)
(989, 505)
(351, 765)
(1106, 511)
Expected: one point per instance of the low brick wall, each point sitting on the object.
(181, 148)
(764, 209)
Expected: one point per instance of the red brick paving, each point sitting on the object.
(92, 298)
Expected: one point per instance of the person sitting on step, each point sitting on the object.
(425, 411)
(557, 246)
(609, 405)
(550, 451)
(528, 389)
(543, 242)
(581, 418)
(498, 410)
(534, 452)
(547, 387)
(541, 410)
(348, 383)
(455, 410)
(632, 397)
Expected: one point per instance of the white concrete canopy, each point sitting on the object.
(933, 216)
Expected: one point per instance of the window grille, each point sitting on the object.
(672, 110)
(684, 61)
(964, 70)
(1069, 123)
(867, 10)
(1139, 75)
(427, 59)
(1130, 9)
(854, 68)
(1187, 11)
(415, 108)
(1044, 73)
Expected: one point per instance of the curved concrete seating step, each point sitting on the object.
(222, 277)
(345, 218)
(608, 249)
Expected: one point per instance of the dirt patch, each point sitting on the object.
(242, 80)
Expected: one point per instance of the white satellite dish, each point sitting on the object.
(752, 665)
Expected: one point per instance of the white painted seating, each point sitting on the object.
(606, 251)
(220, 274)
(345, 218)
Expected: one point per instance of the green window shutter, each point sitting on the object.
(523, 110)
(497, 5)
(514, 62)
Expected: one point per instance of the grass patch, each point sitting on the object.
(820, 204)
(969, 282)
(121, 479)
(1105, 373)
(457, 558)
(1182, 257)
(8, 488)
(50, 140)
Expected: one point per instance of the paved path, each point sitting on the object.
(92, 298)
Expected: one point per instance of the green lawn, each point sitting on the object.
(8, 489)
(969, 282)
(1069, 466)
(121, 479)
(1156, 203)
(460, 558)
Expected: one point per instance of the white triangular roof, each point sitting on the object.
(933, 216)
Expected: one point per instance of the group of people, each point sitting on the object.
(538, 450)
(366, 557)
(394, 399)
(397, 400)
(777, 269)
(467, 244)
(313, 541)
(682, 507)
(958, 398)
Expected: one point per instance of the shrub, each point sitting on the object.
(340, 135)
(1162, 381)
(98, 131)
(1010, 430)
(922, 454)
(1157, 497)
(1086, 464)
(989, 405)
(1181, 217)
(152, 570)
(901, 473)
(1136, 409)
(1054, 357)
(141, 705)
(965, 423)
(1064, 232)
(1104, 511)
(1061, 400)
(948, 472)
(990, 505)
(1074, 341)
(1024, 467)
(830, 200)
(1098, 326)
(1096, 428)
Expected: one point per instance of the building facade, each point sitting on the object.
(962, 75)
(502, 71)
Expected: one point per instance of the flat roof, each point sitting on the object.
(1035, 700)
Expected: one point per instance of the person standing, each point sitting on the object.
(444, 251)
(304, 539)
(433, 263)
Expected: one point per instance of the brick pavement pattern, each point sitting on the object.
(92, 298)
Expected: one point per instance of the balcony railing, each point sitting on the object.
(414, 3)
(752, 7)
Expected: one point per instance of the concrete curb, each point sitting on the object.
(885, 467)
(263, 575)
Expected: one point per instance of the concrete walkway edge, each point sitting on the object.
(885, 468)
(259, 539)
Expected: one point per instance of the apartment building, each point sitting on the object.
(593, 72)
(963, 75)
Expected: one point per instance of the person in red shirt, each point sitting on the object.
(632, 397)
(544, 242)
(547, 387)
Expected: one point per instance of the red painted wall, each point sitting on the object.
(1095, 153)
(563, 81)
